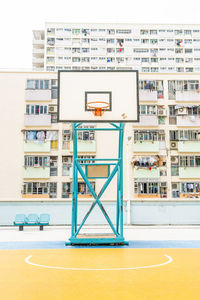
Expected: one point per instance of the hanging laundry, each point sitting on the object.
(41, 135)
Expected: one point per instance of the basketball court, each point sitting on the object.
(145, 269)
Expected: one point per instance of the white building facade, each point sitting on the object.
(146, 47)
(161, 152)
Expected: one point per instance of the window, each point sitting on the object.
(178, 31)
(111, 31)
(187, 32)
(189, 161)
(66, 165)
(147, 188)
(66, 137)
(153, 31)
(173, 135)
(66, 189)
(153, 41)
(76, 59)
(144, 31)
(188, 69)
(145, 59)
(145, 69)
(140, 50)
(40, 188)
(83, 189)
(36, 109)
(188, 41)
(174, 171)
(86, 135)
(172, 111)
(178, 50)
(110, 50)
(53, 166)
(149, 135)
(189, 135)
(187, 50)
(148, 109)
(42, 136)
(144, 41)
(152, 85)
(85, 32)
(76, 31)
(36, 161)
(76, 50)
(85, 50)
(179, 60)
(123, 31)
(188, 60)
(194, 110)
(51, 41)
(110, 41)
(38, 84)
(191, 187)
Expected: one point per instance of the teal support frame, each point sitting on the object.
(117, 164)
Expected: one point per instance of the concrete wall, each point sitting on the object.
(142, 213)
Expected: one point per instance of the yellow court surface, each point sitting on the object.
(114, 273)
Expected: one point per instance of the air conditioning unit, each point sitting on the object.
(173, 145)
(163, 184)
(174, 160)
(175, 186)
(52, 108)
(162, 112)
(182, 111)
(66, 131)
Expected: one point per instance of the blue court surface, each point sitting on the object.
(132, 244)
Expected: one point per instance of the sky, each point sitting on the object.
(19, 17)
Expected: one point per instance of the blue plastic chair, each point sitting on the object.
(20, 219)
(32, 219)
(44, 219)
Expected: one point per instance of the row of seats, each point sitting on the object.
(22, 220)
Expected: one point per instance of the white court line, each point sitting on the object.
(170, 259)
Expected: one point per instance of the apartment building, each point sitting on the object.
(161, 152)
(148, 48)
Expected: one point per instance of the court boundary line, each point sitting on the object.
(170, 259)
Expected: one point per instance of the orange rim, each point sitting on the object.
(98, 111)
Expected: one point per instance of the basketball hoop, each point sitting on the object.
(98, 107)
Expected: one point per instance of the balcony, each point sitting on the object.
(38, 42)
(36, 146)
(188, 96)
(189, 146)
(38, 95)
(36, 172)
(38, 51)
(188, 121)
(84, 146)
(147, 95)
(38, 60)
(146, 173)
(189, 172)
(147, 121)
(37, 120)
(146, 146)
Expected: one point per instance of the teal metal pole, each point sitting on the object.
(74, 183)
(121, 178)
(118, 187)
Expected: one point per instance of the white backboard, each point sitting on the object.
(118, 88)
